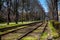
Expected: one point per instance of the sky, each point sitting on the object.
(59, 5)
(44, 5)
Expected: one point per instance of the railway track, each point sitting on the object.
(19, 34)
(16, 28)
(36, 33)
(13, 27)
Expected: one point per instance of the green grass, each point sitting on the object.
(57, 22)
(29, 38)
(12, 24)
(3, 25)
(54, 31)
(44, 36)
(16, 36)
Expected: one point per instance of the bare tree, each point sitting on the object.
(16, 11)
(53, 8)
(8, 11)
(1, 4)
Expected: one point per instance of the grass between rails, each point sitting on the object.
(29, 38)
(3, 25)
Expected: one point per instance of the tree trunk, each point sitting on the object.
(57, 9)
(8, 14)
(0, 4)
(16, 12)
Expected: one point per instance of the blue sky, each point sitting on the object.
(59, 5)
(44, 5)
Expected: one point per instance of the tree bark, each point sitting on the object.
(8, 10)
